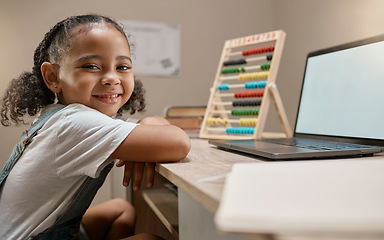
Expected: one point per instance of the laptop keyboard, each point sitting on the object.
(315, 144)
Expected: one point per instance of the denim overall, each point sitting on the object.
(66, 226)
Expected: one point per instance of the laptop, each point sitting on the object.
(340, 111)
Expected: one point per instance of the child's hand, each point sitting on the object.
(139, 172)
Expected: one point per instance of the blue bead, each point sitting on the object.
(223, 87)
(240, 130)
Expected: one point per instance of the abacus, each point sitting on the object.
(244, 87)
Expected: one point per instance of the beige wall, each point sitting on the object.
(205, 25)
(314, 24)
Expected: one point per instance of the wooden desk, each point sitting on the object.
(198, 199)
(204, 161)
(200, 181)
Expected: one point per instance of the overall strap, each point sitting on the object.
(26, 138)
(67, 227)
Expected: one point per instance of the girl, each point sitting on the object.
(82, 77)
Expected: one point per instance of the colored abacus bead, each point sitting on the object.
(223, 87)
(224, 121)
(232, 70)
(246, 103)
(243, 61)
(249, 94)
(211, 121)
(245, 112)
(258, 50)
(251, 76)
(217, 121)
(248, 121)
(265, 66)
(235, 62)
(258, 84)
(240, 130)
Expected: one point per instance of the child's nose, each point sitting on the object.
(110, 79)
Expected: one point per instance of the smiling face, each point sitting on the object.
(97, 71)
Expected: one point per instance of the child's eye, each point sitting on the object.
(124, 67)
(91, 66)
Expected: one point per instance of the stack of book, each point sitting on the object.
(188, 118)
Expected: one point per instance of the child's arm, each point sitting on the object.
(155, 140)
(154, 120)
(138, 167)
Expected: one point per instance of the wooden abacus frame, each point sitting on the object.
(216, 106)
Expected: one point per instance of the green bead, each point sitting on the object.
(265, 66)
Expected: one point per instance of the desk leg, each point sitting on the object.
(196, 222)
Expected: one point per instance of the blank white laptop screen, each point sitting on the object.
(343, 93)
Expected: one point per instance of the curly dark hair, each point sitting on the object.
(28, 93)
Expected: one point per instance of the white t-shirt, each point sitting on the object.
(73, 144)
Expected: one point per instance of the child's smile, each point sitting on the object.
(97, 71)
(107, 97)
